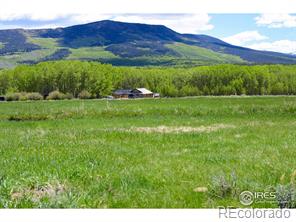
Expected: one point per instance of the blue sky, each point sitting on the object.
(231, 24)
(275, 32)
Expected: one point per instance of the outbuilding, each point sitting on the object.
(142, 93)
(132, 93)
(122, 93)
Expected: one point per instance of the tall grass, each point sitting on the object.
(87, 153)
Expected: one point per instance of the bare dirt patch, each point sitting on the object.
(37, 193)
(180, 129)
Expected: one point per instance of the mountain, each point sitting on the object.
(121, 43)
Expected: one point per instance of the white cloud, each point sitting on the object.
(242, 38)
(188, 23)
(183, 23)
(34, 10)
(82, 11)
(29, 26)
(90, 17)
(284, 46)
(276, 20)
(254, 40)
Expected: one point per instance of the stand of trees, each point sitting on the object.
(74, 77)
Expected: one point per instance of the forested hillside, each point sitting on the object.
(100, 80)
(127, 44)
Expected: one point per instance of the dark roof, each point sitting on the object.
(122, 92)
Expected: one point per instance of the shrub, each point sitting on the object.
(13, 97)
(23, 96)
(16, 96)
(68, 96)
(34, 96)
(84, 95)
(55, 95)
(286, 192)
(224, 186)
(286, 196)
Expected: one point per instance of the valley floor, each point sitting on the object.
(166, 153)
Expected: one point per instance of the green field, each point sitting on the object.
(145, 153)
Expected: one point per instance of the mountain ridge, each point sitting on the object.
(121, 43)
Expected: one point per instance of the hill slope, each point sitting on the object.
(121, 43)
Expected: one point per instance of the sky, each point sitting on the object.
(271, 31)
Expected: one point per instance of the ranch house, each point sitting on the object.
(132, 93)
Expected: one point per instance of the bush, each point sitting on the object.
(84, 95)
(55, 95)
(224, 186)
(34, 96)
(13, 97)
(68, 96)
(286, 192)
(23, 96)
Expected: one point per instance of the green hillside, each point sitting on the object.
(184, 55)
(126, 44)
(91, 53)
(47, 47)
(203, 54)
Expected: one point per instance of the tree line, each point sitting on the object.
(99, 80)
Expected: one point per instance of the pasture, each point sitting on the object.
(167, 153)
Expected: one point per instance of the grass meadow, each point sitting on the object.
(163, 153)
